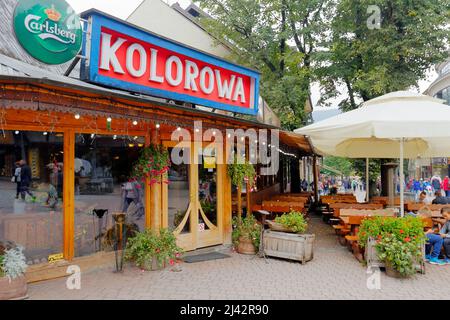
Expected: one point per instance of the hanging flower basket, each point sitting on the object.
(153, 163)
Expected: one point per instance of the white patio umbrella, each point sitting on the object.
(397, 125)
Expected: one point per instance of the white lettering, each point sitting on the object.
(108, 56)
(225, 88)
(210, 88)
(179, 77)
(142, 60)
(153, 66)
(191, 75)
(239, 91)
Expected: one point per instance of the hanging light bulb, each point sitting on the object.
(115, 137)
(135, 123)
(77, 116)
(158, 126)
(45, 133)
(109, 119)
(178, 129)
(17, 132)
(92, 136)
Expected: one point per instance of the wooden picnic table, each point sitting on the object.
(366, 206)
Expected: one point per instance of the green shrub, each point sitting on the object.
(294, 220)
(149, 245)
(399, 241)
(248, 228)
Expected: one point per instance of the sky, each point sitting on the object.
(123, 8)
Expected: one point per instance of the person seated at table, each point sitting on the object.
(445, 232)
(440, 199)
(423, 198)
(435, 239)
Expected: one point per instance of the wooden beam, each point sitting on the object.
(316, 179)
(69, 195)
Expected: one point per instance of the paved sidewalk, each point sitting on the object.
(333, 274)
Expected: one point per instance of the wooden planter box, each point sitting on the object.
(14, 289)
(371, 257)
(291, 246)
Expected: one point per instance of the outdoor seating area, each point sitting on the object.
(346, 219)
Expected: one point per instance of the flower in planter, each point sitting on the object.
(399, 241)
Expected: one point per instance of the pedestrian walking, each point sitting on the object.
(25, 180)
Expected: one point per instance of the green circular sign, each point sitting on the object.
(49, 30)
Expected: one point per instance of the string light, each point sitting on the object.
(158, 126)
(109, 119)
(178, 129)
(17, 132)
(77, 116)
(135, 123)
(45, 133)
(115, 137)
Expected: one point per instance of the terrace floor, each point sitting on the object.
(333, 274)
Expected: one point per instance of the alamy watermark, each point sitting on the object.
(73, 281)
(374, 20)
(229, 146)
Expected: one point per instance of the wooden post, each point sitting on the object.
(228, 207)
(316, 179)
(249, 199)
(155, 196)
(148, 195)
(239, 203)
(69, 195)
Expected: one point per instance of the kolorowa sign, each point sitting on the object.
(49, 30)
(123, 56)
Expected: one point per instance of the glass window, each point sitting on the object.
(207, 189)
(31, 201)
(103, 166)
(179, 195)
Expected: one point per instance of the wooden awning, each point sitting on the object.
(296, 141)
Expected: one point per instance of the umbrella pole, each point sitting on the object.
(402, 180)
(367, 180)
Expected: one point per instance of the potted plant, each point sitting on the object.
(293, 222)
(287, 238)
(246, 235)
(13, 284)
(394, 243)
(151, 250)
(153, 162)
(240, 172)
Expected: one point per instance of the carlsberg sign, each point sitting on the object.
(49, 30)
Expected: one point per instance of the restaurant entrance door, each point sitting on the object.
(194, 196)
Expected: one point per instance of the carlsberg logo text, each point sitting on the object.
(48, 30)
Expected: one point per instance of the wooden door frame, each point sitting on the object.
(195, 239)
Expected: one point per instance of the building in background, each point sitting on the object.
(440, 89)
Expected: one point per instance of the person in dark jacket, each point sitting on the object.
(440, 199)
(445, 233)
(25, 180)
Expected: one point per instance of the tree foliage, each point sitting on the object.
(277, 37)
(344, 165)
(413, 36)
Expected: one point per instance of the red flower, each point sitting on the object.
(157, 250)
(379, 237)
(407, 239)
(177, 254)
(171, 262)
(401, 231)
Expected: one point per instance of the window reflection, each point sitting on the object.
(103, 165)
(178, 195)
(31, 180)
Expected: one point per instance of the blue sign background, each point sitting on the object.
(91, 72)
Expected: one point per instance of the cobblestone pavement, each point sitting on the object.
(333, 274)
